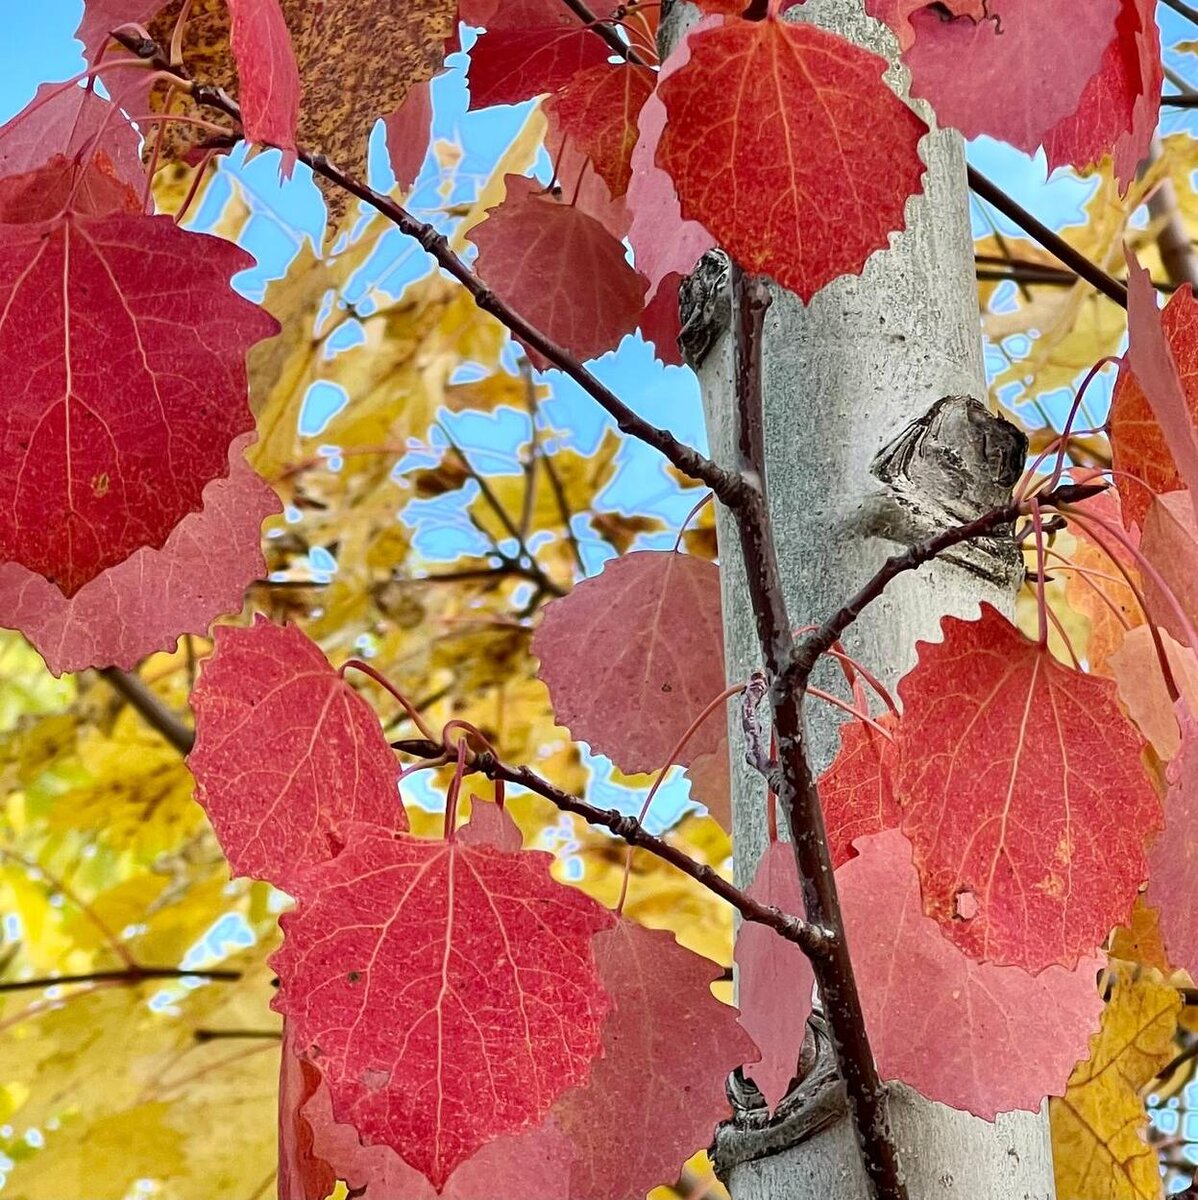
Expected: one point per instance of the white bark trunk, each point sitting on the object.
(843, 377)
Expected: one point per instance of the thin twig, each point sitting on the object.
(134, 690)
(128, 975)
(1179, 6)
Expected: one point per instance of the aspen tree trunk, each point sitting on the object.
(843, 378)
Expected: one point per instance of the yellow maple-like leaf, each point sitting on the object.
(1098, 1126)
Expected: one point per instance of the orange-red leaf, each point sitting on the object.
(447, 992)
(1022, 792)
(287, 754)
(784, 142)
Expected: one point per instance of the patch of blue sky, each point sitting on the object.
(322, 402)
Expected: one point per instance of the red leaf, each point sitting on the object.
(1014, 75)
(414, 971)
(87, 189)
(976, 1036)
(1141, 684)
(667, 1051)
(897, 13)
(409, 129)
(661, 322)
(774, 978)
(287, 754)
(1022, 792)
(857, 791)
(510, 65)
(663, 244)
(143, 604)
(304, 1174)
(560, 269)
(124, 351)
(521, 14)
(1170, 544)
(800, 120)
(598, 108)
(1138, 445)
(632, 656)
(269, 77)
(580, 186)
(1174, 856)
(1118, 111)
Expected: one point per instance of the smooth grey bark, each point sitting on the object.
(845, 376)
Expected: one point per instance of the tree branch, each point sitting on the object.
(134, 690)
(1177, 252)
(1185, 10)
(127, 975)
(605, 31)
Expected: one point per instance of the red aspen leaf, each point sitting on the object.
(598, 108)
(976, 1036)
(773, 977)
(633, 655)
(490, 825)
(1141, 683)
(1170, 544)
(857, 791)
(560, 269)
(799, 120)
(580, 186)
(409, 129)
(87, 189)
(414, 970)
(522, 14)
(287, 754)
(270, 84)
(511, 65)
(1022, 792)
(661, 322)
(145, 603)
(1013, 75)
(1173, 858)
(124, 349)
(663, 244)
(1118, 111)
(1139, 449)
(304, 1174)
(897, 13)
(667, 1051)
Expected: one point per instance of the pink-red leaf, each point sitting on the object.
(409, 129)
(560, 269)
(667, 1051)
(1170, 545)
(447, 992)
(287, 754)
(798, 123)
(633, 655)
(143, 604)
(304, 1174)
(510, 65)
(1013, 75)
(124, 351)
(897, 13)
(1022, 792)
(857, 790)
(1141, 682)
(270, 83)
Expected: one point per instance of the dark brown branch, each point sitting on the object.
(605, 31)
(1179, 6)
(130, 976)
(794, 781)
(218, 1035)
(134, 690)
(1188, 100)
(1077, 262)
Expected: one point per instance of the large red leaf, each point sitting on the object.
(1015, 74)
(1174, 855)
(633, 655)
(1139, 450)
(1022, 791)
(510, 65)
(784, 142)
(1170, 544)
(976, 1036)
(447, 992)
(667, 1051)
(1118, 110)
(560, 269)
(270, 84)
(124, 351)
(287, 754)
(598, 108)
(857, 791)
(144, 603)
(773, 977)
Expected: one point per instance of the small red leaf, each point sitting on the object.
(1141, 455)
(560, 269)
(124, 351)
(598, 108)
(1141, 683)
(89, 188)
(447, 992)
(287, 754)
(510, 65)
(580, 186)
(857, 791)
(1013, 75)
(632, 656)
(266, 67)
(1170, 544)
(143, 604)
(661, 322)
(897, 13)
(799, 122)
(304, 1174)
(667, 1051)
(409, 129)
(1022, 791)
